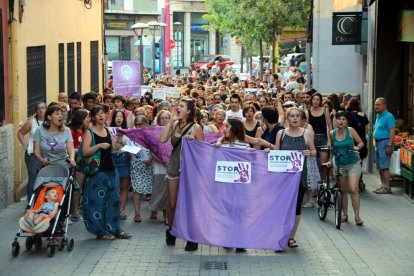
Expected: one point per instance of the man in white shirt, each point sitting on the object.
(215, 69)
(235, 112)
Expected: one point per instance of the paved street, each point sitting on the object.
(383, 246)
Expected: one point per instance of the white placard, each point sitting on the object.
(285, 161)
(233, 172)
(244, 76)
(158, 93)
(145, 88)
(250, 90)
(131, 149)
(173, 92)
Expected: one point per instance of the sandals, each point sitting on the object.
(108, 237)
(153, 215)
(292, 243)
(382, 190)
(359, 221)
(123, 235)
(137, 218)
(122, 215)
(344, 218)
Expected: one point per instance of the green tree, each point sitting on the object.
(256, 21)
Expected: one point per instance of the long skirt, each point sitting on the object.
(101, 203)
(159, 190)
(141, 177)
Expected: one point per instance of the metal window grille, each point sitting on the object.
(61, 67)
(36, 77)
(79, 66)
(94, 66)
(71, 67)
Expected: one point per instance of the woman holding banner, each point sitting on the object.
(295, 137)
(182, 123)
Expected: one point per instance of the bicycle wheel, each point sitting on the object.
(338, 208)
(323, 207)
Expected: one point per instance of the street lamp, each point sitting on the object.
(138, 29)
(153, 27)
(176, 24)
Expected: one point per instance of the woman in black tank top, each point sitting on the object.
(251, 126)
(321, 123)
(101, 191)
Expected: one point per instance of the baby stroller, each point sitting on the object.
(60, 178)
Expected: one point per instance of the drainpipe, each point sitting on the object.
(14, 92)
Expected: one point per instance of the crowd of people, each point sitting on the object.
(273, 112)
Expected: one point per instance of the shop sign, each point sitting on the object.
(118, 24)
(198, 28)
(406, 30)
(346, 28)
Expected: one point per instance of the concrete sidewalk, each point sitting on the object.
(383, 246)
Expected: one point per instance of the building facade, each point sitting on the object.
(336, 68)
(192, 41)
(53, 46)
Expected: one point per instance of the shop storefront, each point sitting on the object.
(199, 37)
(394, 56)
(118, 37)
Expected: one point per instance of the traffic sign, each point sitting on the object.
(172, 44)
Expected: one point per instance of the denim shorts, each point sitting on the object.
(121, 162)
(321, 142)
(382, 160)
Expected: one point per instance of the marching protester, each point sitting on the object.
(121, 160)
(101, 194)
(295, 137)
(78, 125)
(181, 124)
(141, 172)
(30, 127)
(345, 141)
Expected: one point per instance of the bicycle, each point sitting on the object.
(331, 197)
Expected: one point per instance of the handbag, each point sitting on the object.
(88, 165)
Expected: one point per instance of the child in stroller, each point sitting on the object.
(48, 209)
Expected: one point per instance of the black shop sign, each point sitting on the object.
(346, 28)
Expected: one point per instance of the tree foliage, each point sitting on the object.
(256, 20)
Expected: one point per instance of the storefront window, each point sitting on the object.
(199, 37)
(178, 51)
(112, 47)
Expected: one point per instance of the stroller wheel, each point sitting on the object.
(38, 243)
(70, 245)
(62, 244)
(15, 249)
(50, 249)
(29, 243)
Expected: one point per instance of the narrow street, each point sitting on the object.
(383, 246)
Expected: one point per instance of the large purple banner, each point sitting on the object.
(127, 78)
(227, 197)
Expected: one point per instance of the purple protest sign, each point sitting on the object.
(254, 209)
(127, 78)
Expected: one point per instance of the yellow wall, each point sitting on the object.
(50, 22)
